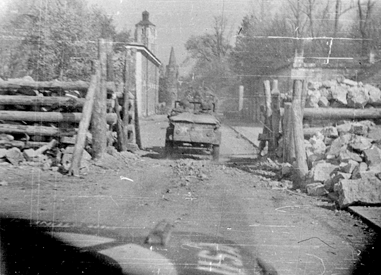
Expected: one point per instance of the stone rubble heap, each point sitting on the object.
(346, 160)
(54, 156)
(57, 156)
(342, 93)
(188, 170)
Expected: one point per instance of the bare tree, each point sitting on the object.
(298, 22)
(339, 11)
(309, 9)
(365, 11)
(211, 52)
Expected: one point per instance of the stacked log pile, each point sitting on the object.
(39, 122)
(343, 156)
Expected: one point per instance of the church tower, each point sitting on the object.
(172, 74)
(145, 33)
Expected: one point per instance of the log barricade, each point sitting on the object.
(326, 115)
(54, 116)
(51, 110)
(303, 118)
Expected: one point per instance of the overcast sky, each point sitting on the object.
(175, 20)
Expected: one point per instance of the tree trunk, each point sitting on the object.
(35, 130)
(297, 126)
(275, 117)
(98, 123)
(83, 126)
(44, 101)
(76, 85)
(342, 113)
(48, 116)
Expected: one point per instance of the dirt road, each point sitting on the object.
(237, 199)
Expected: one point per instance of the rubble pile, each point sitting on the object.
(57, 156)
(344, 157)
(346, 160)
(342, 93)
(188, 170)
(53, 156)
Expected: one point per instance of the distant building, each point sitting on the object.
(146, 65)
(169, 89)
(145, 33)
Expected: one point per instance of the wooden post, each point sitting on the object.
(266, 111)
(98, 123)
(110, 67)
(304, 94)
(240, 99)
(83, 126)
(258, 102)
(288, 141)
(275, 117)
(285, 130)
(268, 114)
(297, 126)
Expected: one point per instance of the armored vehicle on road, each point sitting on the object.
(193, 125)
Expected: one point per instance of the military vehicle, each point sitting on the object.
(193, 125)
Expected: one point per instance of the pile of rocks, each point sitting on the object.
(342, 93)
(188, 171)
(52, 156)
(346, 160)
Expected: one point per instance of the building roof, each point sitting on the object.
(145, 50)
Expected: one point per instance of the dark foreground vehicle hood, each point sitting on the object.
(40, 247)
